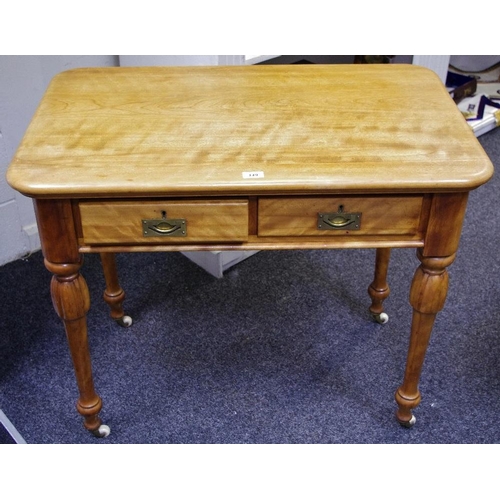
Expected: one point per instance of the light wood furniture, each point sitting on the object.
(248, 158)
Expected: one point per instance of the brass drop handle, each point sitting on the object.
(163, 228)
(339, 220)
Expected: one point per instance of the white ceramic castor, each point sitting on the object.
(103, 431)
(381, 318)
(410, 422)
(125, 321)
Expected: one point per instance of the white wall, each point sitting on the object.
(438, 64)
(23, 80)
(180, 60)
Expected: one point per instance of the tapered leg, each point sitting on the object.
(114, 294)
(427, 297)
(379, 289)
(71, 301)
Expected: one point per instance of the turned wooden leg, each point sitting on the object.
(114, 294)
(379, 289)
(427, 297)
(71, 301)
(70, 297)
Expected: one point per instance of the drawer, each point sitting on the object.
(113, 222)
(379, 215)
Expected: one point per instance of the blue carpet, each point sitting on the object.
(281, 350)
(5, 437)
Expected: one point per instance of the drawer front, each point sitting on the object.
(110, 222)
(379, 215)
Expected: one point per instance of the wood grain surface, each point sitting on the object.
(380, 215)
(121, 222)
(106, 132)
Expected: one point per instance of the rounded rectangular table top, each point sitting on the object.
(174, 131)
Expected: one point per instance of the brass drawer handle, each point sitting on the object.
(340, 220)
(164, 227)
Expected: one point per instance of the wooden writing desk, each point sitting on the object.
(248, 158)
